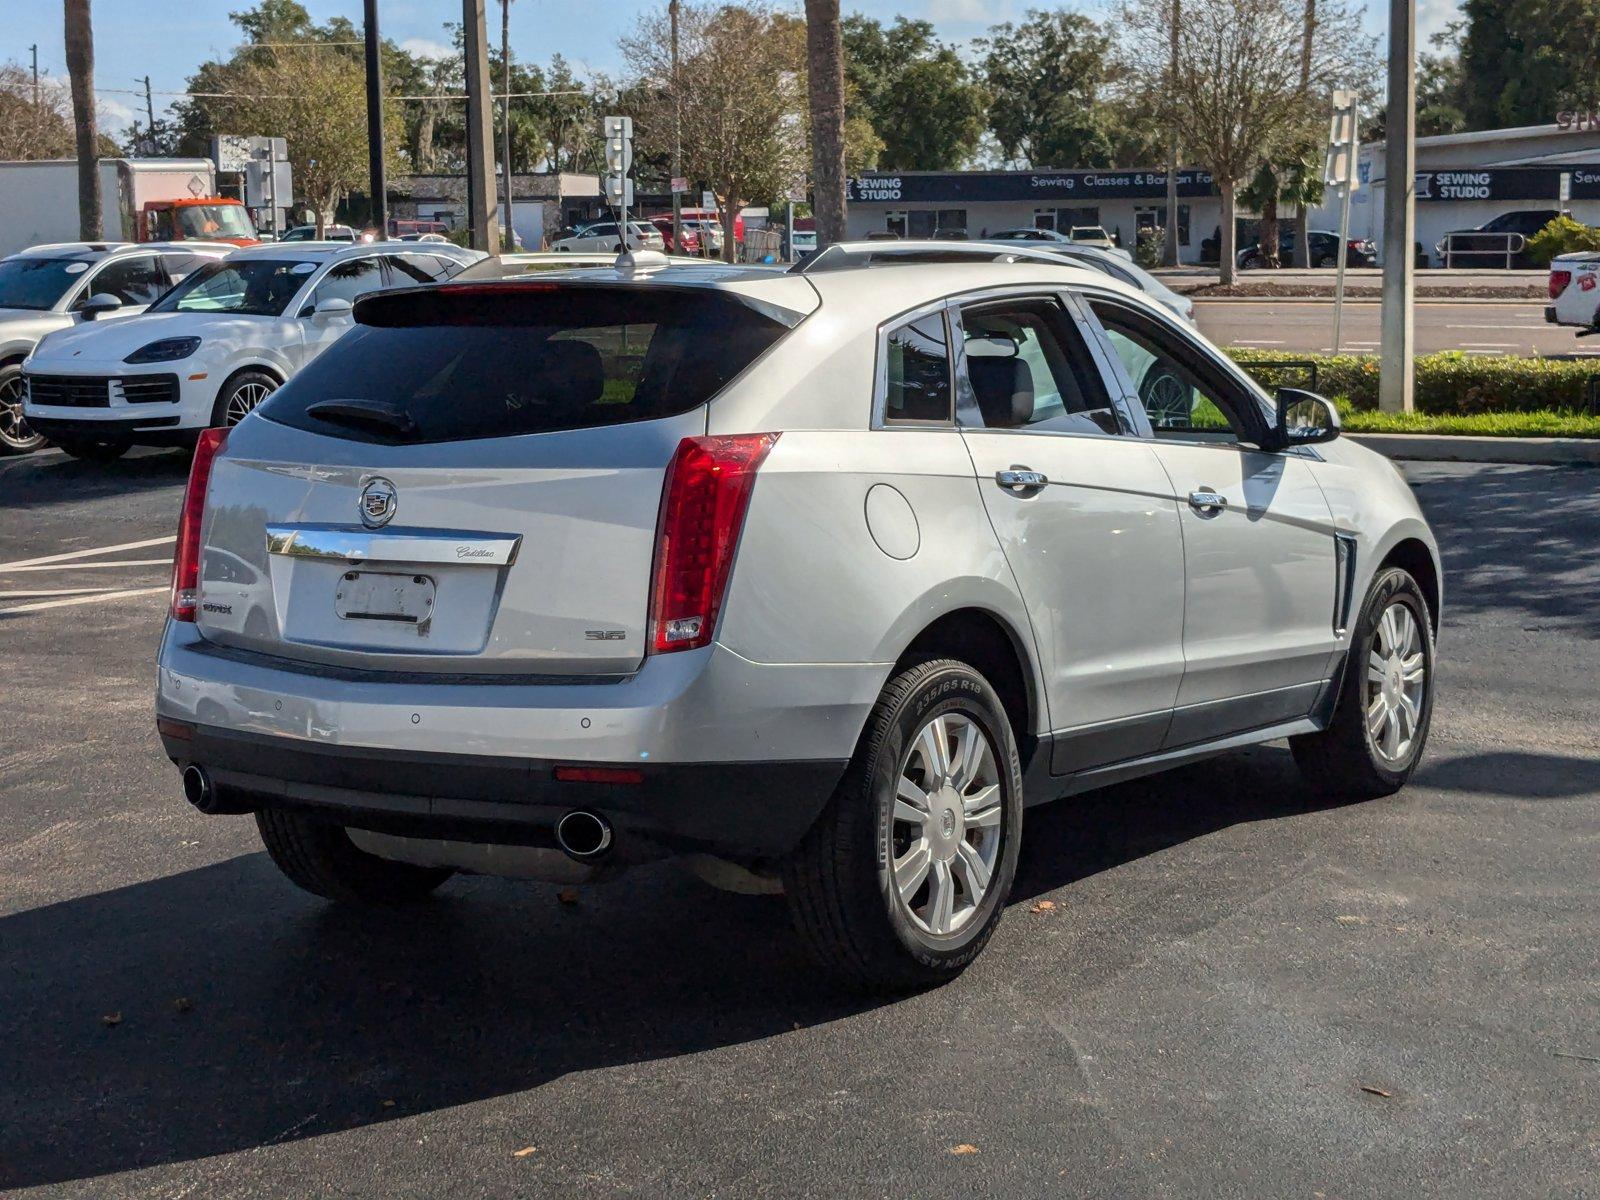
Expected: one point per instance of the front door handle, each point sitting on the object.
(1021, 480)
(1205, 500)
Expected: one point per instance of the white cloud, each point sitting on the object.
(116, 114)
(983, 12)
(1432, 17)
(427, 48)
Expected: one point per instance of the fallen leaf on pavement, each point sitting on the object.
(525, 1151)
(567, 895)
(964, 1148)
(183, 1004)
(111, 1019)
(388, 1103)
(1044, 906)
(1375, 1091)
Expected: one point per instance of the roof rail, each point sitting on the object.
(846, 256)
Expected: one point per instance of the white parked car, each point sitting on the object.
(815, 578)
(48, 288)
(213, 347)
(1118, 266)
(1575, 291)
(603, 236)
(1096, 236)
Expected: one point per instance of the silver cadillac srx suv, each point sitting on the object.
(814, 579)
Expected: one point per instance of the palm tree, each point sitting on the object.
(1294, 181)
(80, 66)
(825, 68)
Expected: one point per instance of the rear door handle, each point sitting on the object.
(1206, 500)
(1021, 480)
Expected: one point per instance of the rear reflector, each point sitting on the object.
(599, 775)
(1558, 282)
(178, 731)
(703, 505)
(186, 562)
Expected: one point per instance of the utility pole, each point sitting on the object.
(378, 187)
(1169, 253)
(480, 131)
(505, 116)
(35, 49)
(1396, 373)
(86, 134)
(150, 114)
(677, 136)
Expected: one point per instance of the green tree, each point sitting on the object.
(1046, 78)
(1524, 60)
(917, 94)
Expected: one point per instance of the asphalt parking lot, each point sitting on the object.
(1207, 984)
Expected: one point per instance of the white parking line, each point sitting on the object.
(83, 566)
(1488, 345)
(1263, 342)
(78, 591)
(40, 605)
(90, 553)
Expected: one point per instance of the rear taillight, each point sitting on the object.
(1558, 282)
(186, 562)
(703, 504)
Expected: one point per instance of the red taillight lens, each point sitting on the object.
(702, 511)
(599, 775)
(1558, 282)
(186, 562)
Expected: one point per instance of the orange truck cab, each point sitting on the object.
(203, 218)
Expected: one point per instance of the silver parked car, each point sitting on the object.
(814, 580)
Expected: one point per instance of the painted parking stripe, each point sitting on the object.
(86, 566)
(90, 553)
(41, 605)
(39, 595)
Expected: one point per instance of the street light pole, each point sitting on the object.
(505, 115)
(677, 136)
(1397, 369)
(378, 188)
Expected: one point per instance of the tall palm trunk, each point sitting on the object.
(825, 68)
(1226, 242)
(80, 66)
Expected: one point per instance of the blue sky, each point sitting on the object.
(167, 41)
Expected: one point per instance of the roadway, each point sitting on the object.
(1306, 326)
(1208, 984)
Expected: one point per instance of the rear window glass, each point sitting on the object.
(489, 362)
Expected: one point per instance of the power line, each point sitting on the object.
(252, 96)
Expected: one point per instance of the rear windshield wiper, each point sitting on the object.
(365, 414)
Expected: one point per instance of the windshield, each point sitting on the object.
(37, 283)
(260, 287)
(214, 221)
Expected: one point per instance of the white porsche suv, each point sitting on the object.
(214, 346)
(815, 579)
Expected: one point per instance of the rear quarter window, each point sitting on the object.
(490, 361)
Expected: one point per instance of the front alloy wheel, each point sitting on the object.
(1397, 683)
(15, 435)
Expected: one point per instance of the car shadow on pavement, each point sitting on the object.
(218, 1009)
(1524, 775)
(56, 479)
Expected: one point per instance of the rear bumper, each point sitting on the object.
(733, 755)
(743, 809)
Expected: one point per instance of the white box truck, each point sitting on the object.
(141, 200)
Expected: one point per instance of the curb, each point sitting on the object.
(1328, 299)
(1541, 452)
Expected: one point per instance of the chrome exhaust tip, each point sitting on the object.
(583, 836)
(197, 789)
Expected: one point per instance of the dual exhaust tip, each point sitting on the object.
(583, 836)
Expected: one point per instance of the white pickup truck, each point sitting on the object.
(1575, 291)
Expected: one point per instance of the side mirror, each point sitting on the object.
(98, 305)
(1304, 418)
(333, 308)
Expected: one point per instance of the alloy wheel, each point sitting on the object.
(947, 827)
(14, 432)
(1397, 683)
(244, 399)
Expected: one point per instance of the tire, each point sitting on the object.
(239, 397)
(1350, 758)
(100, 451)
(1327, 260)
(319, 856)
(853, 917)
(1253, 262)
(15, 436)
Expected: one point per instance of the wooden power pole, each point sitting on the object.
(480, 131)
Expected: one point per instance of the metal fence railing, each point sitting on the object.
(1482, 249)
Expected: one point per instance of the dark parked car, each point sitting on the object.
(1359, 252)
(1486, 246)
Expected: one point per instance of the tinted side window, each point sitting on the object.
(350, 279)
(1029, 367)
(132, 280)
(181, 265)
(918, 372)
(1181, 402)
(411, 269)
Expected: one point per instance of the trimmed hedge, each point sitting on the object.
(1449, 383)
